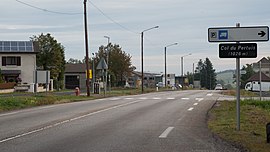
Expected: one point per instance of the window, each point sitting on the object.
(11, 60)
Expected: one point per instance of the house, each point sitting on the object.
(150, 79)
(256, 77)
(265, 66)
(18, 61)
(75, 76)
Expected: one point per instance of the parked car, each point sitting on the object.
(218, 87)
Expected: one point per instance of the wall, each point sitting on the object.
(28, 66)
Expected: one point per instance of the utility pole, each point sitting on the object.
(86, 49)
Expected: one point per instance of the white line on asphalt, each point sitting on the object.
(181, 117)
(142, 98)
(199, 99)
(129, 98)
(170, 98)
(23, 111)
(10, 113)
(65, 121)
(166, 132)
(112, 99)
(156, 98)
(185, 98)
(190, 109)
(195, 104)
(209, 94)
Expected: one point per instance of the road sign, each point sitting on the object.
(238, 34)
(238, 50)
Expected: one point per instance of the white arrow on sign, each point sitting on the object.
(238, 34)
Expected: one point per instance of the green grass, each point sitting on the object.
(20, 102)
(243, 93)
(254, 117)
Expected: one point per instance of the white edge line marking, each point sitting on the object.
(63, 122)
(190, 109)
(166, 132)
(195, 104)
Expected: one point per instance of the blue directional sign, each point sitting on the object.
(238, 34)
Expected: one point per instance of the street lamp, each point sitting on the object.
(165, 54)
(182, 68)
(107, 37)
(142, 51)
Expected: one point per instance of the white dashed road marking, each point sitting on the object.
(199, 99)
(185, 98)
(195, 104)
(128, 98)
(166, 132)
(156, 98)
(170, 98)
(209, 94)
(190, 109)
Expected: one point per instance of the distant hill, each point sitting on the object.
(226, 76)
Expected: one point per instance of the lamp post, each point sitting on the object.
(107, 37)
(182, 68)
(165, 54)
(142, 51)
(93, 71)
(86, 49)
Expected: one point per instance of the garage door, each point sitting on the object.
(72, 81)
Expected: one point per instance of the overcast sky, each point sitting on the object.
(182, 21)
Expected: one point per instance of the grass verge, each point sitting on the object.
(32, 100)
(254, 117)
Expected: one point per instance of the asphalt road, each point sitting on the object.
(157, 122)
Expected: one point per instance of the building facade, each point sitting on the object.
(18, 61)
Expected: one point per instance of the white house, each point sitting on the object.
(18, 61)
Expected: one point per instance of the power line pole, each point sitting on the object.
(86, 49)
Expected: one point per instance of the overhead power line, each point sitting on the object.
(46, 10)
(108, 17)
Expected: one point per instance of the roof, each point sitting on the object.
(18, 47)
(264, 60)
(256, 77)
(75, 68)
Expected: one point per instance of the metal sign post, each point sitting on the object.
(238, 88)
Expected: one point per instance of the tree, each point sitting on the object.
(244, 77)
(206, 74)
(74, 61)
(120, 66)
(51, 57)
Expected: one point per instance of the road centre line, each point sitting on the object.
(156, 98)
(170, 98)
(65, 121)
(166, 132)
(195, 104)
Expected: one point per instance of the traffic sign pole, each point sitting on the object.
(238, 88)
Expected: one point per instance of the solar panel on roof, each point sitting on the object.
(16, 46)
